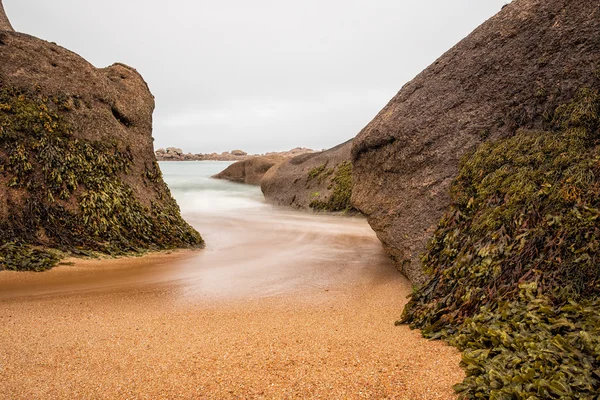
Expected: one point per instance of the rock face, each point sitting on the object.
(510, 72)
(249, 171)
(4, 22)
(77, 166)
(319, 181)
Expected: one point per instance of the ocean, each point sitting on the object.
(255, 249)
(191, 184)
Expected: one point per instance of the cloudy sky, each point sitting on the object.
(261, 75)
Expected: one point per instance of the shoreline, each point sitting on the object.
(85, 272)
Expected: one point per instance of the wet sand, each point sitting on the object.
(279, 305)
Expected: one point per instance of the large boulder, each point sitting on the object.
(511, 72)
(77, 166)
(249, 171)
(320, 181)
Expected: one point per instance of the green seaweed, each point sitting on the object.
(316, 171)
(341, 186)
(69, 194)
(16, 256)
(525, 217)
(531, 348)
(320, 173)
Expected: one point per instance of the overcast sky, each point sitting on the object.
(261, 75)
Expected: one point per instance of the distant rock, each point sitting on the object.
(251, 170)
(176, 154)
(510, 73)
(292, 153)
(318, 181)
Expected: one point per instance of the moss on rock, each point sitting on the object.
(320, 173)
(524, 218)
(341, 188)
(71, 194)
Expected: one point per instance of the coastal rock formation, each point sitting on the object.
(510, 73)
(318, 181)
(175, 154)
(171, 153)
(296, 151)
(251, 170)
(77, 166)
(514, 261)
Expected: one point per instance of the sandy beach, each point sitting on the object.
(147, 343)
(279, 305)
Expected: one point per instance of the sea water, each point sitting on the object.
(254, 248)
(195, 191)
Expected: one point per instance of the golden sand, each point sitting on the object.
(150, 341)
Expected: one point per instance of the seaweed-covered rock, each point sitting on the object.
(249, 171)
(77, 166)
(510, 73)
(319, 181)
(514, 276)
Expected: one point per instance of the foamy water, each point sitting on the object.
(196, 192)
(256, 249)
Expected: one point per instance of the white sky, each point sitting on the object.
(261, 75)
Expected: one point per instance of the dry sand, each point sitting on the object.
(189, 325)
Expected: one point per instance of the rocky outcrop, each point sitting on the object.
(4, 22)
(171, 153)
(510, 72)
(296, 151)
(318, 181)
(175, 154)
(249, 171)
(77, 166)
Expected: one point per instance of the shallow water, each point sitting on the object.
(253, 249)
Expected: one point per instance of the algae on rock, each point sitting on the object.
(319, 181)
(341, 187)
(70, 194)
(525, 218)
